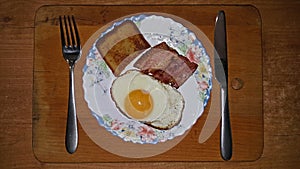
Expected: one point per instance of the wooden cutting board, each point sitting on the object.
(51, 87)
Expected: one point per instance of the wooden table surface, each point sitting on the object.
(281, 57)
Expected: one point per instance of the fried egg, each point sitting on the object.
(143, 98)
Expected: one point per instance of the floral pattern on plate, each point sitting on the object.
(98, 78)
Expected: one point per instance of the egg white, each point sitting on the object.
(168, 103)
(134, 80)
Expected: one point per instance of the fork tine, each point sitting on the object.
(76, 32)
(62, 35)
(71, 32)
(67, 31)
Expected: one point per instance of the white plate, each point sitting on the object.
(98, 78)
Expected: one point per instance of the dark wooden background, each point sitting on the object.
(281, 60)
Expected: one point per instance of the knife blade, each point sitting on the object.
(221, 68)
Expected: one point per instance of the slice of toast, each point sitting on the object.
(121, 45)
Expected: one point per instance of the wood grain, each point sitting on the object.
(50, 87)
(280, 26)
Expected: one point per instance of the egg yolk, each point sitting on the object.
(138, 104)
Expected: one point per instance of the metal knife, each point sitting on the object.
(221, 68)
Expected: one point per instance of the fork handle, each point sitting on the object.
(71, 139)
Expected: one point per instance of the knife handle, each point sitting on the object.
(226, 139)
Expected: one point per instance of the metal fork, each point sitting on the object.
(71, 50)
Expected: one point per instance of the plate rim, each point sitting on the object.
(162, 15)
